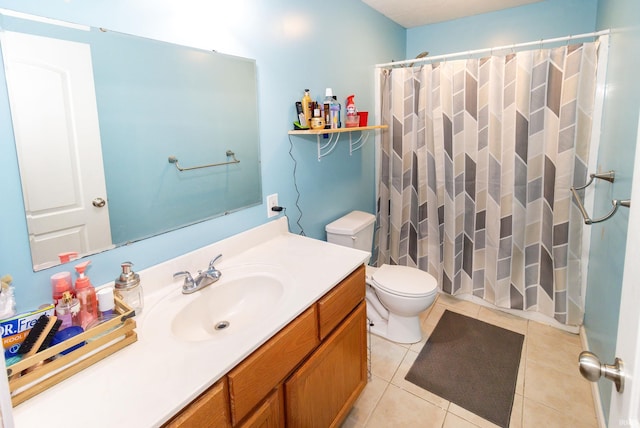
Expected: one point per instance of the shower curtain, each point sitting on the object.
(475, 172)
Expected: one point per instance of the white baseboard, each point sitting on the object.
(595, 391)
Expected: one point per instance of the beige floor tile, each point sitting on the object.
(365, 404)
(553, 348)
(351, 423)
(428, 324)
(504, 320)
(536, 415)
(559, 391)
(399, 408)
(425, 314)
(455, 421)
(470, 417)
(464, 307)
(385, 357)
(399, 381)
(549, 391)
(552, 334)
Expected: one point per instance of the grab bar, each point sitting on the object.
(587, 220)
(610, 177)
(174, 160)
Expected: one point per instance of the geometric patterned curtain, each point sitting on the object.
(475, 172)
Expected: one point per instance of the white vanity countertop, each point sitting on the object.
(147, 382)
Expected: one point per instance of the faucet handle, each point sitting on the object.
(189, 283)
(212, 262)
(185, 273)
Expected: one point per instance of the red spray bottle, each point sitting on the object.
(351, 120)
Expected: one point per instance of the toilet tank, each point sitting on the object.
(353, 230)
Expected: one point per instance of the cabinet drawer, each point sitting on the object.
(211, 409)
(269, 414)
(337, 303)
(263, 370)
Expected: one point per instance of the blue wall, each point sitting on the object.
(543, 20)
(617, 148)
(296, 45)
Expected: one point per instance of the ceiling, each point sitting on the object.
(414, 13)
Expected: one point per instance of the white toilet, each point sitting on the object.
(396, 295)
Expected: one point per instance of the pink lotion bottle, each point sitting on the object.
(86, 295)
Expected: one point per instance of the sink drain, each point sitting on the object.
(222, 325)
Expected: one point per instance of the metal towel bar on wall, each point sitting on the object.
(174, 160)
(607, 176)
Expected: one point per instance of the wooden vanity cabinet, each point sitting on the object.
(252, 379)
(308, 375)
(211, 409)
(321, 392)
(270, 414)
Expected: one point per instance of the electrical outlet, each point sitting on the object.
(272, 201)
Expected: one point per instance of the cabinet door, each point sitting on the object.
(268, 415)
(321, 392)
(211, 409)
(252, 380)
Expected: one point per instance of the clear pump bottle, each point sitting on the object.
(128, 288)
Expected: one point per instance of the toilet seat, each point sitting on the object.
(404, 281)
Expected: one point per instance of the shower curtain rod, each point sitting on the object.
(478, 51)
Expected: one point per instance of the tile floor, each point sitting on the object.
(549, 392)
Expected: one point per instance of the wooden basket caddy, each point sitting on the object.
(34, 374)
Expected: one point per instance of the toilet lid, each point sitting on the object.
(404, 280)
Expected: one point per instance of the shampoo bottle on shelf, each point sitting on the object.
(86, 295)
(306, 108)
(332, 110)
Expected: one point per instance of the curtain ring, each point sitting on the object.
(570, 37)
(541, 44)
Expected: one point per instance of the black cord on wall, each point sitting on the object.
(295, 184)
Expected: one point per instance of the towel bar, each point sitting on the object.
(174, 160)
(607, 176)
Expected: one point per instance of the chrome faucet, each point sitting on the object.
(201, 280)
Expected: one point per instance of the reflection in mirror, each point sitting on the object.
(96, 116)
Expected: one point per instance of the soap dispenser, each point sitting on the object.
(86, 295)
(128, 288)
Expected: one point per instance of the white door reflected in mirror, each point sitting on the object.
(52, 97)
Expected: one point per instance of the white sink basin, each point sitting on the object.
(238, 303)
(227, 306)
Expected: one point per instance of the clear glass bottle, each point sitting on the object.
(68, 311)
(128, 288)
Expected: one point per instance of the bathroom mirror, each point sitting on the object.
(97, 115)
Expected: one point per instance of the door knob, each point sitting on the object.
(592, 369)
(99, 202)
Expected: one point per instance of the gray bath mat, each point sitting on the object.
(471, 363)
